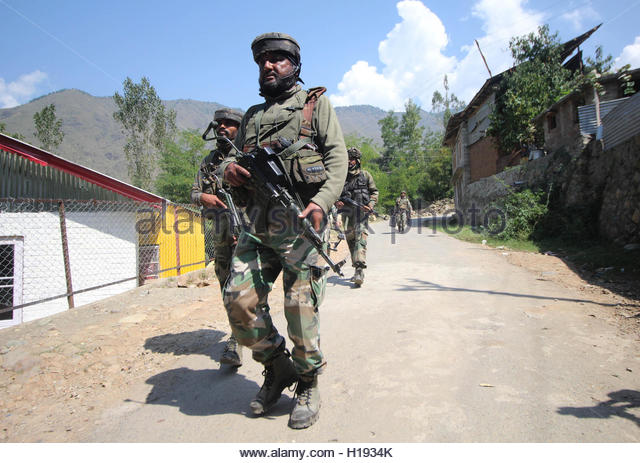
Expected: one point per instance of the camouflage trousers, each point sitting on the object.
(402, 216)
(356, 235)
(256, 263)
(223, 251)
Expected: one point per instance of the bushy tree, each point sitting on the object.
(537, 81)
(48, 128)
(147, 124)
(179, 164)
(411, 160)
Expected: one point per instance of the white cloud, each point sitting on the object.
(414, 60)
(413, 63)
(580, 17)
(21, 90)
(630, 55)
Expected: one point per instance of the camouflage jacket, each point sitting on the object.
(403, 203)
(282, 117)
(204, 181)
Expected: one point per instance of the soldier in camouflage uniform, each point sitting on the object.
(272, 242)
(402, 211)
(361, 188)
(204, 193)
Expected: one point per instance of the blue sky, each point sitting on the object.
(378, 52)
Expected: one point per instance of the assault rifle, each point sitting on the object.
(269, 178)
(356, 205)
(235, 223)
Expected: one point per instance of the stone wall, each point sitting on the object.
(606, 182)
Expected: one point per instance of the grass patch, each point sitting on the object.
(591, 256)
(467, 234)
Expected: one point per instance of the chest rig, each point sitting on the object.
(289, 132)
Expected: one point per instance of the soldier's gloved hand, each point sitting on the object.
(212, 201)
(236, 175)
(315, 215)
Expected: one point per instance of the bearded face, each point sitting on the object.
(277, 73)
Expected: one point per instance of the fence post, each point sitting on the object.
(65, 254)
(177, 233)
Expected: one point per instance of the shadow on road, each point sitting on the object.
(341, 281)
(619, 405)
(207, 392)
(420, 285)
(202, 392)
(204, 342)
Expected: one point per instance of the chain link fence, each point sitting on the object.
(60, 254)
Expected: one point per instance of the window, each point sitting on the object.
(7, 272)
(552, 121)
(11, 255)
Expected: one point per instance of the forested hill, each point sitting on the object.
(94, 139)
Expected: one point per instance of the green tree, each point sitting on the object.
(537, 81)
(48, 128)
(447, 104)
(147, 125)
(389, 133)
(438, 168)
(418, 164)
(3, 129)
(179, 164)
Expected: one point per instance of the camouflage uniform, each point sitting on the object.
(402, 211)
(270, 243)
(206, 181)
(223, 241)
(361, 188)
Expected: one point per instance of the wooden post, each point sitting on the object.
(177, 233)
(65, 254)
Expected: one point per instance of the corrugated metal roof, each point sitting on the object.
(36, 158)
(587, 115)
(622, 123)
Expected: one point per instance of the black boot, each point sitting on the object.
(307, 403)
(279, 373)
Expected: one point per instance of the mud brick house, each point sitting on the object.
(474, 154)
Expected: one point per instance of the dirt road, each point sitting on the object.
(446, 342)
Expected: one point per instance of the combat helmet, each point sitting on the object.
(228, 113)
(276, 41)
(354, 153)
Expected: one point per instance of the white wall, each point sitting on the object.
(102, 249)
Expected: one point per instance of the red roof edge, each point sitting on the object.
(45, 158)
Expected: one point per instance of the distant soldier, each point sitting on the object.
(402, 211)
(359, 197)
(204, 193)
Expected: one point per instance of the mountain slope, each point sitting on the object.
(94, 139)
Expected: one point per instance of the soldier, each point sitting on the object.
(317, 170)
(203, 193)
(361, 189)
(402, 211)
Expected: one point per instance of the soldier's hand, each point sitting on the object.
(315, 215)
(367, 208)
(339, 204)
(236, 175)
(212, 201)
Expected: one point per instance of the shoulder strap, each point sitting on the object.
(307, 111)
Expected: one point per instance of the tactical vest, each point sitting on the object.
(357, 188)
(302, 161)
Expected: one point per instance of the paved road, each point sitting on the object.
(445, 342)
